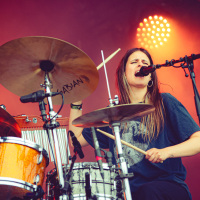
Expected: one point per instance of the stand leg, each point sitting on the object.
(58, 160)
(122, 162)
(53, 122)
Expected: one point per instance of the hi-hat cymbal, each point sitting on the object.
(73, 73)
(109, 115)
(8, 125)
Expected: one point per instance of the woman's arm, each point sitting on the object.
(75, 113)
(189, 147)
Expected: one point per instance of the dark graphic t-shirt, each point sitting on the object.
(178, 127)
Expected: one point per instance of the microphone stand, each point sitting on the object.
(187, 62)
(97, 152)
(190, 66)
(67, 179)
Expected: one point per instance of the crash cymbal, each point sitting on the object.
(109, 115)
(8, 125)
(73, 73)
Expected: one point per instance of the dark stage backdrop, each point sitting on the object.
(108, 25)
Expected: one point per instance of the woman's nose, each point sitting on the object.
(139, 64)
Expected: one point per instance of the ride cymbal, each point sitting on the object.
(23, 63)
(109, 115)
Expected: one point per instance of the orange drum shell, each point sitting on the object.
(20, 162)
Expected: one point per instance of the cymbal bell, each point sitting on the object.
(8, 125)
(23, 63)
(109, 115)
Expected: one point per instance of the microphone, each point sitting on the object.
(144, 71)
(36, 96)
(97, 152)
(87, 186)
(76, 144)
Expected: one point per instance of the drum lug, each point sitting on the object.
(36, 179)
(40, 157)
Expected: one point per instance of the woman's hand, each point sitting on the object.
(189, 147)
(155, 155)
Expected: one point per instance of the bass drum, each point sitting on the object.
(22, 167)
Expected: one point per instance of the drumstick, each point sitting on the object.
(126, 143)
(108, 58)
(123, 142)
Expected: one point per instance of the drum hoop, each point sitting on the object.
(87, 165)
(98, 195)
(16, 140)
(18, 183)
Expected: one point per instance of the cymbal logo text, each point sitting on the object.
(70, 86)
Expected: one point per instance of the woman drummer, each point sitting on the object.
(166, 135)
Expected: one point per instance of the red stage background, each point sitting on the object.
(108, 25)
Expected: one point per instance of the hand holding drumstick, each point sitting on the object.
(131, 146)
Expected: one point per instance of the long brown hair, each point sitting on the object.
(153, 121)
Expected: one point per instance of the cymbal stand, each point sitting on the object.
(121, 160)
(116, 131)
(52, 126)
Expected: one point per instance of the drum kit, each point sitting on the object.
(59, 68)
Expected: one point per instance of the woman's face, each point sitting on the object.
(135, 61)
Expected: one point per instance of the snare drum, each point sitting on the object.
(101, 189)
(22, 167)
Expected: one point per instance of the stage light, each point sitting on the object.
(154, 30)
